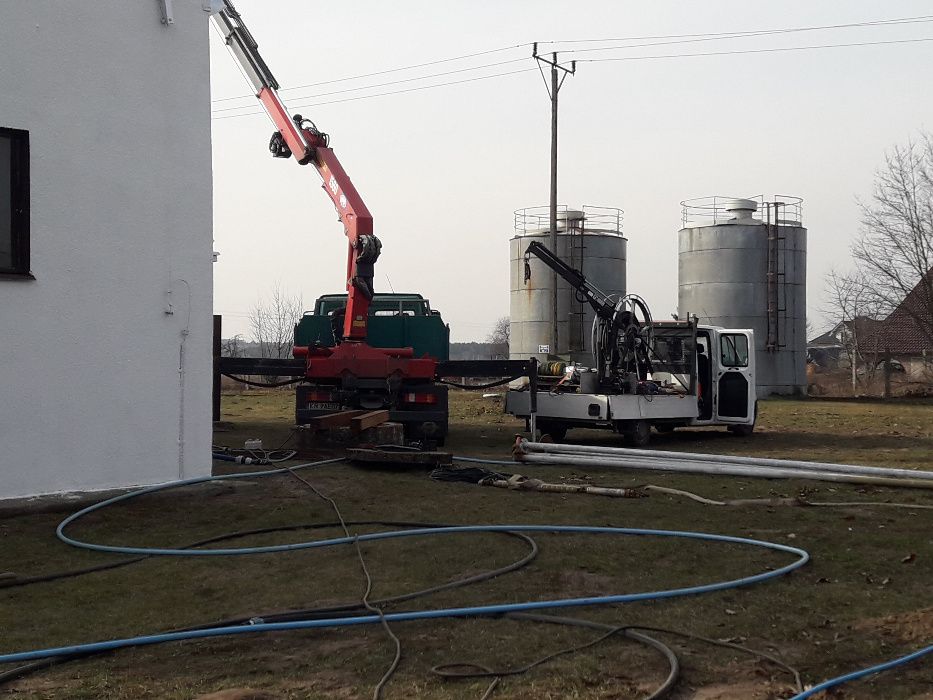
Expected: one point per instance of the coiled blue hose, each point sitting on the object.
(493, 609)
(839, 680)
(59, 531)
(472, 611)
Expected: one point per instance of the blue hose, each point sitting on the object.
(839, 680)
(493, 609)
(59, 531)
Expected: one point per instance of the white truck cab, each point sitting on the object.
(699, 375)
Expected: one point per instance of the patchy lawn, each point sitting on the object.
(866, 596)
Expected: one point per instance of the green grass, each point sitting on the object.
(832, 616)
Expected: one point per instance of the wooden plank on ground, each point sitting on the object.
(400, 457)
(368, 420)
(340, 419)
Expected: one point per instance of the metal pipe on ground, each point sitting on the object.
(709, 467)
(626, 453)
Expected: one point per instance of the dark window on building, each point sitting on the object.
(14, 201)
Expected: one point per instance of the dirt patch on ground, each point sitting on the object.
(585, 583)
(747, 680)
(237, 694)
(742, 690)
(322, 683)
(36, 684)
(913, 626)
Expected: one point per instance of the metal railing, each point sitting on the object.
(589, 218)
(709, 211)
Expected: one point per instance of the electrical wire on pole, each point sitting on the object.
(217, 116)
(558, 74)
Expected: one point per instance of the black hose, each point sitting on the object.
(498, 382)
(473, 670)
(264, 385)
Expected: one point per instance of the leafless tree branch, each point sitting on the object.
(273, 322)
(894, 251)
(499, 337)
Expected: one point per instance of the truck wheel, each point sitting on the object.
(637, 433)
(557, 431)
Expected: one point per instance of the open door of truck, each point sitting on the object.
(732, 356)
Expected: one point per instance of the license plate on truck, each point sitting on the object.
(324, 406)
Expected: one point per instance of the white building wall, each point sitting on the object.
(99, 386)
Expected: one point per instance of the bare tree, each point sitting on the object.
(499, 337)
(232, 347)
(894, 250)
(854, 311)
(273, 323)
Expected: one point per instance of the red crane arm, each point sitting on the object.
(300, 138)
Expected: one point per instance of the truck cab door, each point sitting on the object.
(733, 359)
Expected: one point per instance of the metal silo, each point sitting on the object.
(590, 239)
(743, 264)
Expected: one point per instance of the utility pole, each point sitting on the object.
(553, 91)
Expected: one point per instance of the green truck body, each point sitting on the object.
(395, 321)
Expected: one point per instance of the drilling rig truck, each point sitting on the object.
(644, 373)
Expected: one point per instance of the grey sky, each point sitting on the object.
(443, 169)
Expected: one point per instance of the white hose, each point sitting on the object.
(626, 454)
(709, 467)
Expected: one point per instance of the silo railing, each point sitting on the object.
(782, 210)
(535, 220)
(603, 219)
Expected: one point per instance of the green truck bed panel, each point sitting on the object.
(395, 321)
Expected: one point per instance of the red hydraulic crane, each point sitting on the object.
(299, 138)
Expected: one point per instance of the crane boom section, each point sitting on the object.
(300, 138)
(602, 304)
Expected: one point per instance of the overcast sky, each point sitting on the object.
(443, 169)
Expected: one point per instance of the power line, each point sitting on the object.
(601, 60)
(379, 85)
(747, 51)
(389, 70)
(726, 35)
(756, 33)
(391, 92)
(678, 39)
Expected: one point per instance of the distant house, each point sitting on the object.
(905, 336)
(828, 349)
(105, 245)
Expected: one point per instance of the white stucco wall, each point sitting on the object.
(99, 386)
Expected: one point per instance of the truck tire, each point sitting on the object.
(557, 431)
(637, 433)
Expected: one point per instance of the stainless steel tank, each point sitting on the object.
(590, 239)
(743, 264)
